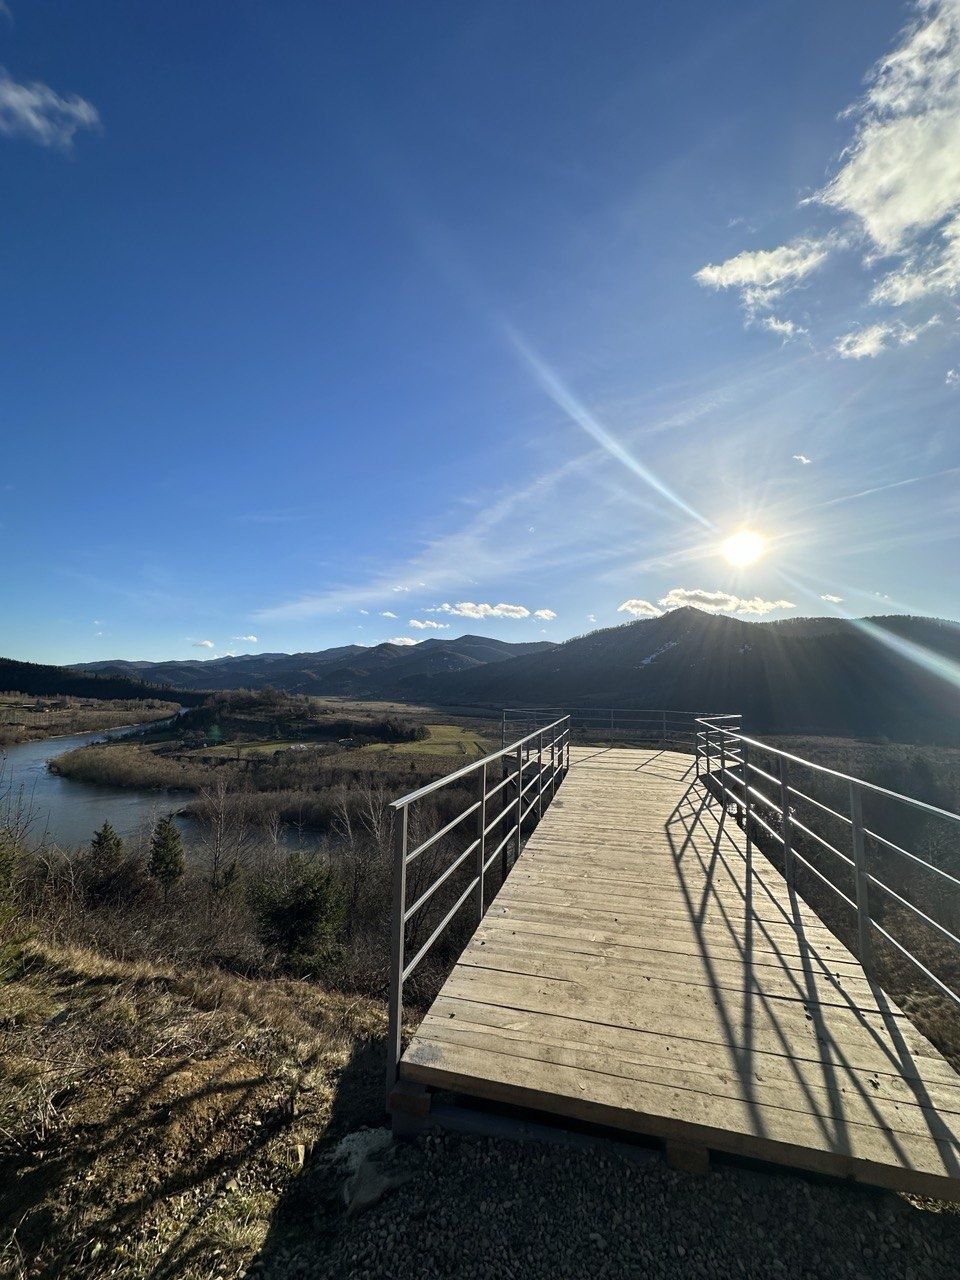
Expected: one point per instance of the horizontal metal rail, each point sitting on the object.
(725, 761)
(648, 724)
(533, 768)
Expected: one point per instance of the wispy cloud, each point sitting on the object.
(953, 378)
(247, 639)
(427, 624)
(202, 644)
(545, 615)
(40, 114)
(895, 192)
(900, 176)
(386, 613)
(802, 459)
(869, 342)
(762, 276)
(401, 640)
(832, 599)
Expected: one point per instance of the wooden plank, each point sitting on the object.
(577, 937)
(674, 973)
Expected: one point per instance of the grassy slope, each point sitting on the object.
(150, 1118)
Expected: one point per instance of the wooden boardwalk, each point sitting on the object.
(638, 970)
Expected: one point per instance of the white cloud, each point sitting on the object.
(97, 622)
(591, 617)
(428, 624)
(404, 640)
(203, 644)
(785, 328)
(763, 275)
(900, 177)
(832, 599)
(248, 639)
(639, 608)
(400, 588)
(721, 602)
(364, 611)
(802, 459)
(895, 189)
(467, 609)
(37, 112)
(546, 615)
(387, 614)
(953, 378)
(879, 337)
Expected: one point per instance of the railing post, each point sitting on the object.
(664, 718)
(746, 795)
(696, 750)
(553, 765)
(505, 859)
(723, 771)
(503, 727)
(395, 1028)
(864, 936)
(481, 841)
(539, 775)
(789, 867)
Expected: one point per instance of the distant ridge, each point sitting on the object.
(41, 680)
(383, 670)
(816, 675)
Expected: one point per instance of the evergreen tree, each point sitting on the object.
(106, 847)
(166, 855)
(102, 868)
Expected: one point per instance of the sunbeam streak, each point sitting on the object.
(564, 399)
(936, 664)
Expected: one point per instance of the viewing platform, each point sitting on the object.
(646, 968)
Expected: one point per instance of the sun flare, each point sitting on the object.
(743, 548)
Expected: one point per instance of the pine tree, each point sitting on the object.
(106, 847)
(166, 855)
(101, 868)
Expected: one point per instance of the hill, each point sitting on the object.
(41, 680)
(383, 670)
(803, 675)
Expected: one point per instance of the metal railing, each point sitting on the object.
(675, 730)
(770, 789)
(532, 768)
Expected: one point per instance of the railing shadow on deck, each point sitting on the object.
(698, 833)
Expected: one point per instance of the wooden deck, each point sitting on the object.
(637, 970)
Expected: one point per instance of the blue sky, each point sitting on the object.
(322, 321)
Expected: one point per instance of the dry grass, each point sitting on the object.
(150, 1118)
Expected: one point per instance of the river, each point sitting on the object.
(67, 812)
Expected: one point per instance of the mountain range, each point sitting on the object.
(895, 677)
(353, 670)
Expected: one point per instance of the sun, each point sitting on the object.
(743, 548)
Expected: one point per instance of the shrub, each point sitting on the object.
(300, 914)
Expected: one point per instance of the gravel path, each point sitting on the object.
(478, 1207)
